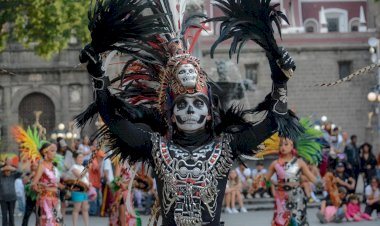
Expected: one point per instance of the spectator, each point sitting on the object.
(150, 197)
(258, 187)
(19, 187)
(95, 179)
(8, 196)
(30, 194)
(353, 212)
(333, 210)
(79, 197)
(378, 166)
(343, 179)
(64, 153)
(233, 193)
(244, 174)
(84, 148)
(353, 158)
(367, 162)
(372, 192)
(308, 186)
(107, 176)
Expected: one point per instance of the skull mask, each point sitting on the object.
(190, 113)
(187, 75)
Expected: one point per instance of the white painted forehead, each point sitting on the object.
(187, 65)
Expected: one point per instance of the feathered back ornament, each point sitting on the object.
(246, 20)
(29, 143)
(307, 146)
(268, 147)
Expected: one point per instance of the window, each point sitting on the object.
(311, 26)
(250, 80)
(354, 25)
(337, 20)
(333, 24)
(309, 29)
(251, 72)
(344, 68)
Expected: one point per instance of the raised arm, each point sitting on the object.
(133, 140)
(273, 112)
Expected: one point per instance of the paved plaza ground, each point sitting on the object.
(256, 218)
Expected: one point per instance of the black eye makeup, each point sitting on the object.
(198, 103)
(181, 104)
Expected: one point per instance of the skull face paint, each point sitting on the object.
(187, 75)
(190, 113)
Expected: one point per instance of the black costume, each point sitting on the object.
(145, 124)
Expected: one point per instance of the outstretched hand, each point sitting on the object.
(286, 63)
(283, 67)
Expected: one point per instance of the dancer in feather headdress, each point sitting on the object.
(35, 151)
(163, 111)
(290, 200)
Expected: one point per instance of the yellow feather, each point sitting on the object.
(271, 146)
(27, 147)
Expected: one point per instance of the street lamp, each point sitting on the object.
(324, 118)
(69, 133)
(374, 94)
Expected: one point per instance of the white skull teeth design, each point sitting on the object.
(189, 119)
(187, 75)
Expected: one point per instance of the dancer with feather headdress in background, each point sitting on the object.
(45, 183)
(290, 199)
(161, 109)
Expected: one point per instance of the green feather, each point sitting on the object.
(307, 146)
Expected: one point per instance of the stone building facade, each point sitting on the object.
(61, 90)
(28, 83)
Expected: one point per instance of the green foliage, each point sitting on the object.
(44, 25)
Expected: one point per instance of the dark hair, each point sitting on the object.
(368, 145)
(76, 154)
(354, 137)
(342, 190)
(44, 146)
(353, 197)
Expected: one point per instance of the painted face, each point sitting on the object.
(187, 75)
(286, 146)
(190, 113)
(51, 152)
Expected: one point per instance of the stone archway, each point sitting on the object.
(37, 102)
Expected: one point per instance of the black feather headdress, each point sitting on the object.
(246, 20)
(125, 26)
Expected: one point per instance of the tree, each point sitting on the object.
(44, 25)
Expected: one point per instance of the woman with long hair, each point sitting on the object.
(367, 162)
(290, 201)
(79, 195)
(46, 183)
(233, 193)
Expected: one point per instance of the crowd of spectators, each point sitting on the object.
(15, 200)
(353, 168)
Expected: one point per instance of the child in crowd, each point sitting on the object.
(333, 206)
(258, 187)
(353, 210)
